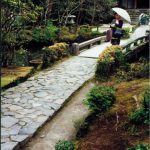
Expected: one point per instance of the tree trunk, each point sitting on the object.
(80, 12)
(93, 15)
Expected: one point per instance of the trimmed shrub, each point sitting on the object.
(111, 58)
(104, 68)
(141, 116)
(100, 99)
(54, 53)
(65, 145)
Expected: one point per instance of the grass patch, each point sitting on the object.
(14, 75)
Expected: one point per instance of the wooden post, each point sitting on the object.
(99, 42)
(75, 48)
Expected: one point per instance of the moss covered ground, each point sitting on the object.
(14, 74)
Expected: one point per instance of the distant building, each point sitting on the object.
(135, 8)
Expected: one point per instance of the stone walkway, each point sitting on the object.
(26, 107)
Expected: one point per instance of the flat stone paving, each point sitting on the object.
(26, 107)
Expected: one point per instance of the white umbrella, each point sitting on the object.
(123, 13)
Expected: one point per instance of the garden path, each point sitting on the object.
(26, 107)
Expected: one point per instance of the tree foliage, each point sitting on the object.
(19, 18)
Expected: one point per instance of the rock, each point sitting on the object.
(4, 140)
(5, 105)
(55, 106)
(10, 146)
(60, 101)
(36, 104)
(42, 119)
(27, 120)
(4, 133)
(41, 94)
(22, 123)
(8, 121)
(29, 129)
(15, 107)
(19, 138)
(14, 130)
(9, 113)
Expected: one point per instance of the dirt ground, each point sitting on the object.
(113, 131)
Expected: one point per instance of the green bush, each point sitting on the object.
(64, 145)
(95, 34)
(21, 58)
(111, 58)
(140, 147)
(139, 70)
(100, 99)
(66, 36)
(45, 34)
(126, 33)
(141, 116)
(131, 71)
(54, 52)
(84, 33)
(104, 68)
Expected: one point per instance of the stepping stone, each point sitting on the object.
(8, 121)
(41, 94)
(9, 146)
(19, 138)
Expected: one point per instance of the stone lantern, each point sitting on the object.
(70, 21)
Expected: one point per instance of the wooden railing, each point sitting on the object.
(76, 47)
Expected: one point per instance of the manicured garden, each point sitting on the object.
(119, 105)
(37, 35)
(38, 38)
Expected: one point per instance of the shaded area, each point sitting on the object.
(112, 131)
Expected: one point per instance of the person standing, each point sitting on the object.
(117, 32)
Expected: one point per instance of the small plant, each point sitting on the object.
(126, 33)
(141, 116)
(100, 99)
(80, 123)
(21, 57)
(82, 126)
(140, 147)
(64, 145)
